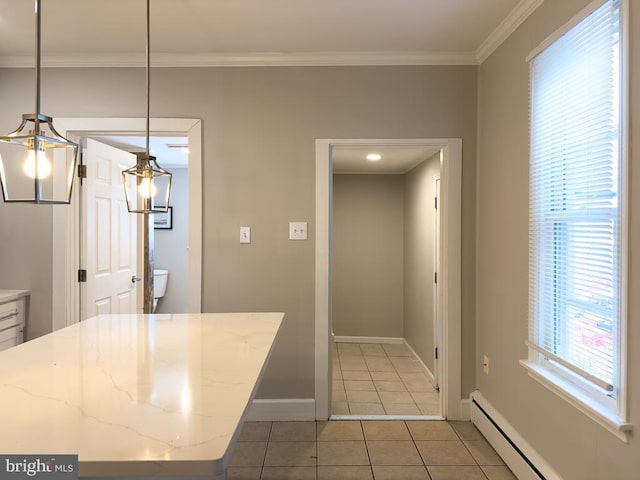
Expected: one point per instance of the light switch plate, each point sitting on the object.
(297, 230)
(245, 234)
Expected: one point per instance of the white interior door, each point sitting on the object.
(110, 235)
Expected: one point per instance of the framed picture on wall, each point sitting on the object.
(163, 221)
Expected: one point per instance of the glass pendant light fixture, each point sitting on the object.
(44, 172)
(147, 186)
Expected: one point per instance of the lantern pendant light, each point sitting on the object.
(44, 173)
(147, 186)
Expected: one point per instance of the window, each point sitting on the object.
(577, 199)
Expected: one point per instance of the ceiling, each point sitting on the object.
(247, 32)
(395, 159)
(170, 152)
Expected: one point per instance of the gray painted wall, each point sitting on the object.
(367, 295)
(25, 258)
(419, 217)
(574, 445)
(259, 127)
(171, 252)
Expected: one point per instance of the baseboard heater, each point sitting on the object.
(524, 462)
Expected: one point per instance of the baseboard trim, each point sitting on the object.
(285, 409)
(517, 453)
(424, 367)
(353, 339)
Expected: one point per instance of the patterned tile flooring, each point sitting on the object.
(364, 450)
(380, 379)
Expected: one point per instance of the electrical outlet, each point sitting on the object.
(485, 365)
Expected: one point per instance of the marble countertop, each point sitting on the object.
(11, 295)
(136, 395)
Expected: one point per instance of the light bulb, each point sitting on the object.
(374, 157)
(146, 188)
(44, 165)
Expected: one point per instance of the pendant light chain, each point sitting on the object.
(38, 59)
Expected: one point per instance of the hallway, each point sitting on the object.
(380, 379)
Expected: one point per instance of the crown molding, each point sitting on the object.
(287, 59)
(275, 59)
(509, 25)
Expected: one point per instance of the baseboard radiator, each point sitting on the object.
(520, 457)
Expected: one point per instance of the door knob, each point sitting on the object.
(135, 279)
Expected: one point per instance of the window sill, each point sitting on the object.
(579, 399)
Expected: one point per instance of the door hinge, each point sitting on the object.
(82, 171)
(436, 202)
(436, 352)
(82, 275)
(435, 277)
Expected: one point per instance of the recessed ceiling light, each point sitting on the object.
(374, 157)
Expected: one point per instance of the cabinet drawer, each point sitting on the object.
(12, 323)
(6, 308)
(9, 318)
(10, 337)
(10, 342)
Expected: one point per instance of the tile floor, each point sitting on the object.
(364, 450)
(380, 379)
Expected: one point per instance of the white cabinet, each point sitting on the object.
(13, 310)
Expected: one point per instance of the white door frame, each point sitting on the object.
(65, 230)
(437, 340)
(450, 238)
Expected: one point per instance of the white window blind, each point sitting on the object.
(574, 204)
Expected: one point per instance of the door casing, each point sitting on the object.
(437, 311)
(65, 229)
(450, 262)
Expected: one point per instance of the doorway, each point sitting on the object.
(449, 270)
(170, 233)
(383, 277)
(66, 229)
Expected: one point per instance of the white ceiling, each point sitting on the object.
(201, 32)
(167, 156)
(395, 159)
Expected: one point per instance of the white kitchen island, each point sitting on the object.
(136, 395)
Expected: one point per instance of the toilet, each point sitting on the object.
(160, 278)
